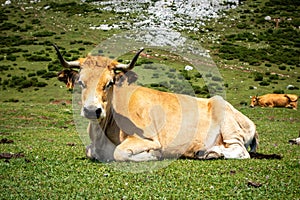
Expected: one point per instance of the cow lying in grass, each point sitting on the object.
(132, 123)
(275, 100)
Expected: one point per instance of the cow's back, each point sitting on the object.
(273, 100)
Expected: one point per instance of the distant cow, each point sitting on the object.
(275, 100)
(132, 123)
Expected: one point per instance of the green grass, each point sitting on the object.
(54, 164)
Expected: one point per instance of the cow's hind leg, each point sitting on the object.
(135, 148)
(232, 149)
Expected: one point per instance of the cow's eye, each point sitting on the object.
(81, 83)
(109, 84)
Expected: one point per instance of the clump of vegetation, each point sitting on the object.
(282, 67)
(278, 91)
(37, 58)
(4, 67)
(258, 76)
(54, 66)
(43, 34)
(21, 82)
(72, 8)
(264, 83)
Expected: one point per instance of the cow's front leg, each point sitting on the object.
(89, 152)
(101, 148)
(135, 148)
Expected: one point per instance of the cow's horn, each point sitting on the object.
(130, 66)
(63, 62)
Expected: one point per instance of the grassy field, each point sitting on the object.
(42, 156)
(52, 163)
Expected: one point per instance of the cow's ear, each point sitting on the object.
(63, 75)
(127, 78)
(69, 77)
(113, 66)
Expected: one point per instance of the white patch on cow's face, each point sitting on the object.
(93, 107)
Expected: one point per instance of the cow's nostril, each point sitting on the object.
(98, 112)
(86, 110)
(92, 112)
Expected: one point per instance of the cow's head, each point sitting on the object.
(96, 77)
(254, 101)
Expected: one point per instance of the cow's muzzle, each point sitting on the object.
(92, 112)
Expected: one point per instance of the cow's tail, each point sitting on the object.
(254, 143)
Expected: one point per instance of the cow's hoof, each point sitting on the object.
(200, 155)
(88, 152)
(213, 155)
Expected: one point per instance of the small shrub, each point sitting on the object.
(155, 75)
(171, 75)
(258, 76)
(34, 79)
(35, 21)
(41, 84)
(31, 74)
(216, 78)
(74, 51)
(264, 83)
(282, 67)
(41, 72)
(4, 67)
(268, 64)
(13, 100)
(208, 75)
(11, 57)
(274, 77)
(48, 75)
(25, 84)
(242, 26)
(8, 26)
(198, 75)
(243, 103)
(278, 92)
(88, 43)
(43, 34)
(38, 58)
(54, 67)
(150, 67)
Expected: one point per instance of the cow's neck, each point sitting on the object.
(103, 148)
(106, 122)
(109, 125)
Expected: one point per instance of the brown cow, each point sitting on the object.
(275, 100)
(132, 123)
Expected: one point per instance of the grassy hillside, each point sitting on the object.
(42, 156)
(248, 50)
(252, 52)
